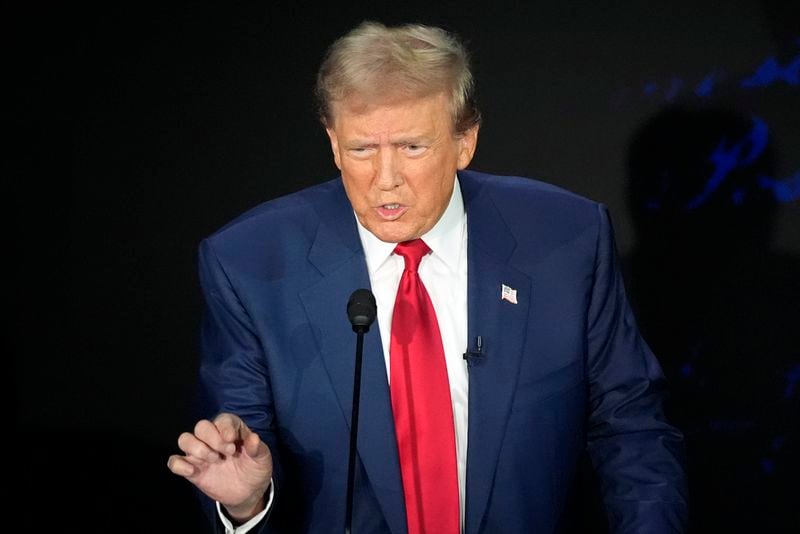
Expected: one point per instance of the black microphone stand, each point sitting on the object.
(361, 310)
(351, 466)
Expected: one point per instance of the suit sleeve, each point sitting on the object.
(637, 455)
(234, 376)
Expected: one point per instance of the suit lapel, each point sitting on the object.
(337, 254)
(502, 326)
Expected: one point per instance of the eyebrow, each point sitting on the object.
(412, 140)
(369, 143)
(359, 143)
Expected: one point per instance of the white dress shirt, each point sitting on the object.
(444, 273)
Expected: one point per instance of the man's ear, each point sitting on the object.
(334, 146)
(468, 142)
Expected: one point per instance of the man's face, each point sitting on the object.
(398, 163)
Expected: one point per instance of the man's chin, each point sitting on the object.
(392, 232)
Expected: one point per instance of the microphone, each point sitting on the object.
(477, 355)
(361, 310)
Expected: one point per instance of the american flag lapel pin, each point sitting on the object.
(509, 294)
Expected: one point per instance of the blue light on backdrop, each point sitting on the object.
(730, 155)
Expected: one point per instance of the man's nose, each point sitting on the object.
(388, 173)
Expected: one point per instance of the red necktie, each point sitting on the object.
(423, 413)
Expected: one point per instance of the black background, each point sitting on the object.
(138, 130)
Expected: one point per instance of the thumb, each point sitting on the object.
(254, 447)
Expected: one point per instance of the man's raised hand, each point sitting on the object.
(228, 462)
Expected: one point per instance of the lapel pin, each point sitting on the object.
(509, 294)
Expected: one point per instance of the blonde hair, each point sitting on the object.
(376, 63)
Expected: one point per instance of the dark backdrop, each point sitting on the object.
(141, 129)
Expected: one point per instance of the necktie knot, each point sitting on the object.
(412, 252)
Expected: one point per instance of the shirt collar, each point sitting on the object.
(445, 239)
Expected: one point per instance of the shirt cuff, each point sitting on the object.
(245, 527)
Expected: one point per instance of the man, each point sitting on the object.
(503, 293)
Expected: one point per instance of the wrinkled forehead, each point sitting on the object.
(361, 103)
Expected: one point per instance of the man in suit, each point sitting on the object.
(526, 325)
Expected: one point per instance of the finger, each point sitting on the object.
(254, 447)
(210, 434)
(252, 444)
(178, 465)
(192, 446)
(231, 429)
(195, 461)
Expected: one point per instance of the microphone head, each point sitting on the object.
(361, 309)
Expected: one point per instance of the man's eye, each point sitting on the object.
(360, 151)
(415, 149)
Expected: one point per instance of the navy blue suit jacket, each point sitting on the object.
(565, 368)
